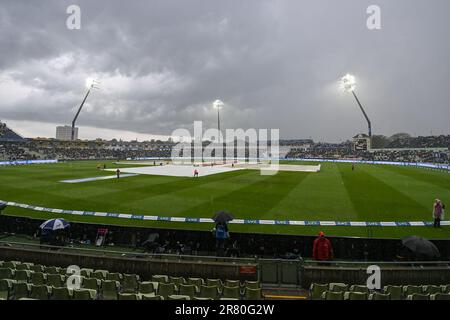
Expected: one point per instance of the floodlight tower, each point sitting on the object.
(218, 105)
(348, 84)
(90, 85)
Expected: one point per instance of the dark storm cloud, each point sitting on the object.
(274, 63)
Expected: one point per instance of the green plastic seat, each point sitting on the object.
(359, 288)
(55, 280)
(38, 278)
(152, 297)
(166, 289)
(6, 273)
(332, 295)
(100, 274)
(24, 266)
(379, 296)
(252, 284)
(130, 283)
(115, 276)
(146, 287)
(178, 297)
(37, 268)
(10, 264)
(128, 296)
(351, 295)
(177, 280)
(21, 290)
(61, 294)
(252, 294)
(337, 287)
(395, 292)
(187, 290)
(6, 288)
(87, 273)
(440, 296)
(110, 289)
(84, 294)
(160, 278)
(316, 290)
(211, 292)
(232, 283)
(231, 292)
(40, 292)
(445, 288)
(431, 289)
(196, 281)
(215, 282)
(418, 296)
(409, 290)
(91, 283)
(52, 270)
(22, 275)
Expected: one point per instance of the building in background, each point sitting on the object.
(65, 133)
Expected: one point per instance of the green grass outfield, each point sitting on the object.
(370, 193)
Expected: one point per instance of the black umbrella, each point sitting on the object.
(421, 247)
(222, 216)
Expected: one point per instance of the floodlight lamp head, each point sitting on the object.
(92, 83)
(218, 104)
(348, 83)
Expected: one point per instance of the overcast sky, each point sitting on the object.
(275, 64)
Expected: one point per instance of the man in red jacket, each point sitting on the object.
(322, 249)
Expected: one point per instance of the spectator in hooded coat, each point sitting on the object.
(322, 248)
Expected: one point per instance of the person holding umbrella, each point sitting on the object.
(221, 233)
(49, 228)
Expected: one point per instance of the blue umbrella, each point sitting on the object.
(54, 224)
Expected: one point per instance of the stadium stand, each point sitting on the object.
(19, 281)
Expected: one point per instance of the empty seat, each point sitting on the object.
(22, 275)
(196, 281)
(351, 295)
(252, 284)
(6, 288)
(6, 273)
(177, 280)
(91, 283)
(61, 294)
(160, 278)
(146, 287)
(187, 290)
(40, 292)
(409, 290)
(10, 264)
(445, 288)
(215, 282)
(24, 266)
(440, 296)
(115, 276)
(331, 295)
(253, 294)
(87, 273)
(100, 274)
(211, 292)
(166, 289)
(128, 296)
(316, 290)
(431, 289)
(337, 287)
(84, 294)
(232, 283)
(152, 297)
(110, 289)
(38, 278)
(55, 280)
(418, 296)
(130, 283)
(52, 270)
(178, 297)
(231, 292)
(379, 296)
(37, 268)
(395, 292)
(359, 288)
(21, 290)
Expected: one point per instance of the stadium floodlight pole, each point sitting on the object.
(90, 84)
(348, 84)
(218, 104)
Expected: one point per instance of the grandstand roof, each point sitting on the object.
(7, 134)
